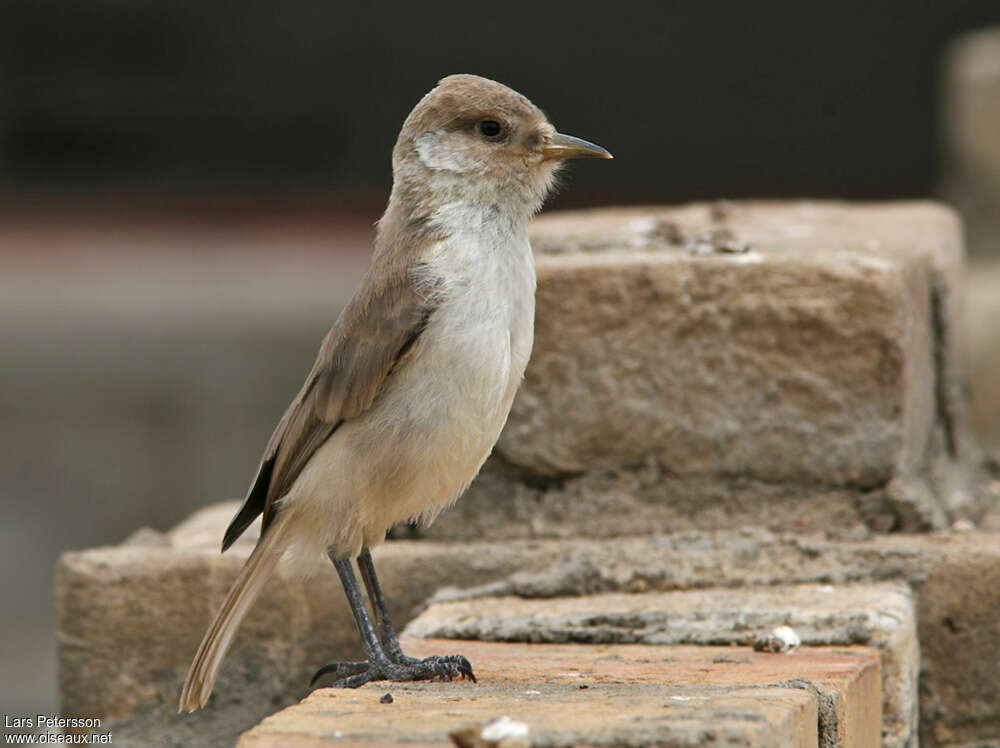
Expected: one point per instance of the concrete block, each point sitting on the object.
(610, 695)
(784, 364)
(880, 616)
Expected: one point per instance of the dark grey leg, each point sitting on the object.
(386, 633)
(379, 665)
(373, 651)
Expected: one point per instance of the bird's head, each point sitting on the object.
(475, 140)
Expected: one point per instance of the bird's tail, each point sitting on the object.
(245, 590)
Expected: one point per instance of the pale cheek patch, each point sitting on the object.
(436, 153)
(547, 178)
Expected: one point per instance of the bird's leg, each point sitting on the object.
(386, 632)
(350, 671)
(379, 666)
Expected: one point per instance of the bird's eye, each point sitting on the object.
(490, 128)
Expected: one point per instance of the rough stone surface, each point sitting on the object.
(131, 617)
(955, 577)
(620, 695)
(959, 625)
(785, 364)
(880, 616)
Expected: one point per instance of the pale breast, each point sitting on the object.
(479, 338)
(472, 356)
(425, 438)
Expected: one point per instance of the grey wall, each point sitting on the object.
(143, 366)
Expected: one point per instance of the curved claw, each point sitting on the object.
(341, 669)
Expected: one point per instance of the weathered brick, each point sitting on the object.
(599, 694)
(131, 617)
(785, 364)
(880, 616)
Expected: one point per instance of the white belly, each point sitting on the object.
(422, 442)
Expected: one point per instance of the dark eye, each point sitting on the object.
(490, 128)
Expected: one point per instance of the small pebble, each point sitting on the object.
(386, 698)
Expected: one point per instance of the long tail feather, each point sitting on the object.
(241, 596)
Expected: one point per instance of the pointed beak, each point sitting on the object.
(566, 146)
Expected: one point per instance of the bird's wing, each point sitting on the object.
(372, 336)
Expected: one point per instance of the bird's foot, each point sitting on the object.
(435, 667)
(340, 670)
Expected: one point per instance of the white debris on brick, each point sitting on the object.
(781, 639)
(502, 729)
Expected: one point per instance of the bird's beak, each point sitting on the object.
(566, 146)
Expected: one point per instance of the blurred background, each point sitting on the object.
(187, 192)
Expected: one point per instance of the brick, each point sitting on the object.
(953, 576)
(634, 695)
(809, 382)
(959, 627)
(881, 616)
(131, 617)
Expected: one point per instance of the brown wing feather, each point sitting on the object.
(376, 329)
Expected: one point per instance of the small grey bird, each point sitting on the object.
(414, 382)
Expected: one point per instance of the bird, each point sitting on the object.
(415, 380)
